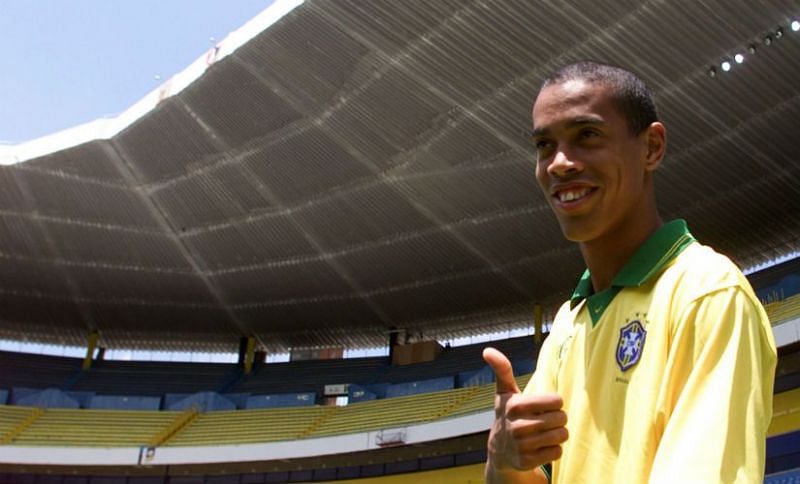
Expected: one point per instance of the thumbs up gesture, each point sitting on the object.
(528, 430)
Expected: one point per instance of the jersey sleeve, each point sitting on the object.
(715, 403)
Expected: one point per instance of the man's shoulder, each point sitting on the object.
(699, 270)
(565, 316)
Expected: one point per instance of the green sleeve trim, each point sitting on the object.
(548, 471)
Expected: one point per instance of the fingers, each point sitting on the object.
(534, 444)
(541, 456)
(504, 375)
(544, 425)
(528, 450)
(530, 405)
(538, 449)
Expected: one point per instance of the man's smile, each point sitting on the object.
(571, 195)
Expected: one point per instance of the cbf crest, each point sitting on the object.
(630, 345)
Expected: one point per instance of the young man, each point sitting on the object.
(663, 359)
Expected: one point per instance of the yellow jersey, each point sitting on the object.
(667, 376)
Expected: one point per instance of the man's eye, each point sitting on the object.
(588, 133)
(541, 144)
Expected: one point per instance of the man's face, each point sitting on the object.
(592, 170)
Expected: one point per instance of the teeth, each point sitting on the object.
(570, 195)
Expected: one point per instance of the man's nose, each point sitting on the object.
(563, 165)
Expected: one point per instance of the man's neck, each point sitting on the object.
(605, 257)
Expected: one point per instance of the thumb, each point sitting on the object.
(504, 375)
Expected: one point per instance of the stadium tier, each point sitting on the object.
(176, 380)
(93, 428)
(455, 385)
(105, 428)
(84, 427)
(27, 426)
(468, 391)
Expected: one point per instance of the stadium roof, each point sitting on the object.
(362, 166)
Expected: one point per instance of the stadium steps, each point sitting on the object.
(250, 426)
(14, 421)
(783, 310)
(182, 421)
(785, 412)
(95, 428)
(316, 424)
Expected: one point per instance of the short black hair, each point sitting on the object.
(631, 95)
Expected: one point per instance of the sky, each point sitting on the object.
(67, 62)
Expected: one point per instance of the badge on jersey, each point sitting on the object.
(630, 345)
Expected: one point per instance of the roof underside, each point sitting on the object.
(363, 166)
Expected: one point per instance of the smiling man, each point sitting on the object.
(662, 363)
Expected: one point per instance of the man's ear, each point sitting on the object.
(656, 138)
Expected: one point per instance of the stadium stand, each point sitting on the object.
(783, 309)
(483, 398)
(93, 428)
(786, 412)
(112, 427)
(391, 412)
(176, 381)
(248, 426)
(14, 420)
(33, 426)
(196, 426)
(116, 428)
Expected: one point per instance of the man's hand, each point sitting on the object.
(528, 430)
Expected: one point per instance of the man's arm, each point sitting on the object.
(716, 402)
(527, 432)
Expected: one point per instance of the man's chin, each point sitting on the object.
(575, 232)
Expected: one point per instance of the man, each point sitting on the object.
(663, 359)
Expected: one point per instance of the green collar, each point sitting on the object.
(657, 251)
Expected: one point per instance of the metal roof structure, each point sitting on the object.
(362, 166)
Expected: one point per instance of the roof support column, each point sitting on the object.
(247, 350)
(90, 347)
(538, 324)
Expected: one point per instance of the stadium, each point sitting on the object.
(339, 176)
